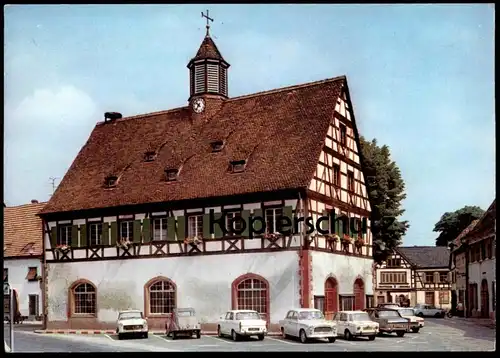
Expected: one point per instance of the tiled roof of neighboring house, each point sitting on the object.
(485, 225)
(280, 133)
(23, 230)
(426, 256)
(458, 241)
(208, 50)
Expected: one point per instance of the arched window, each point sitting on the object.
(331, 297)
(83, 298)
(359, 294)
(161, 293)
(251, 292)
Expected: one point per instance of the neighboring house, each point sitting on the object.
(121, 228)
(480, 245)
(419, 274)
(22, 253)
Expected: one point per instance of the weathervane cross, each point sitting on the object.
(208, 19)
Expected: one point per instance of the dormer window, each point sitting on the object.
(111, 181)
(171, 174)
(217, 146)
(149, 156)
(238, 166)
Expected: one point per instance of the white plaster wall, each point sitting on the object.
(345, 269)
(203, 282)
(476, 269)
(18, 269)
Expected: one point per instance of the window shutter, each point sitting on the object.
(105, 233)
(74, 236)
(171, 228)
(341, 227)
(114, 233)
(53, 237)
(324, 224)
(206, 226)
(218, 230)
(181, 228)
(288, 212)
(245, 215)
(83, 235)
(137, 231)
(257, 225)
(337, 226)
(146, 230)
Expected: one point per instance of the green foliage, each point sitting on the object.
(452, 224)
(386, 192)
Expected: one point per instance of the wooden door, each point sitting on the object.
(485, 302)
(359, 295)
(331, 298)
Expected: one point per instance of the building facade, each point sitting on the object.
(415, 275)
(129, 227)
(22, 253)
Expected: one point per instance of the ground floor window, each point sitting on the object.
(346, 303)
(444, 297)
(84, 299)
(252, 295)
(370, 301)
(429, 298)
(162, 297)
(319, 303)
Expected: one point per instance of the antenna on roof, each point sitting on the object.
(53, 182)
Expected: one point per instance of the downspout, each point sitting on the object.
(45, 226)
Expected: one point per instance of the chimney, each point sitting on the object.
(111, 116)
(34, 201)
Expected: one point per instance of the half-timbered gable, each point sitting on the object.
(144, 189)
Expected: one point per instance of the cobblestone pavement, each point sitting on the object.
(437, 335)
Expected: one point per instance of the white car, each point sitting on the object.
(415, 322)
(239, 323)
(131, 322)
(308, 323)
(423, 310)
(352, 324)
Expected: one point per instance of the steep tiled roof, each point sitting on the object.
(280, 133)
(208, 49)
(485, 225)
(22, 230)
(426, 256)
(457, 241)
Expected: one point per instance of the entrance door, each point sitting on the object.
(359, 294)
(331, 298)
(33, 305)
(485, 302)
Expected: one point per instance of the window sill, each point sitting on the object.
(83, 315)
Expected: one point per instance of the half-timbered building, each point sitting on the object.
(22, 257)
(418, 274)
(129, 224)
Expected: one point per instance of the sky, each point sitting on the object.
(421, 79)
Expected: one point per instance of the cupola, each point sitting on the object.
(208, 69)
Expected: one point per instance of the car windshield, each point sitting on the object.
(311, 315)
(247, 315)
(186, 313)
(361, 317)
(388, 314)
(407, 312)
(130, 315)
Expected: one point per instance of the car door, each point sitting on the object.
(336, 319)
(226, 323)
(342, 323)
(286, 323)
(426, 310)
(294, 324)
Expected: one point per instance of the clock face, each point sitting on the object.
(198, 105)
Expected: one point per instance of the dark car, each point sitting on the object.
(389, 320)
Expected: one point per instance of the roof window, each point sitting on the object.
(149, 156)
(238, 166)
(111, 181)
(217, 145)
(171, 174)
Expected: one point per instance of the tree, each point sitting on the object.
(385, 188)
(452, 224)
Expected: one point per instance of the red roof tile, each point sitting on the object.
(280, 133)
(23, 230)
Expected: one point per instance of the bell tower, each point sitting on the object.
(207, 74)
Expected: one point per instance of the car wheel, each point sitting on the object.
(331, 339)
(174, 336)
(120, 337)
(420, 314)
(348, 335)
(234, 335)
(303, 337)
(283, 335)
(260, 337)
(415, 330)
(400, 333)
(219, 334)
(371, 338)
(198, 334)
(145, 335)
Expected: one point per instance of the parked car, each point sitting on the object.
(423, 310)
(389, 320)
(306, 324)
(131, 322)
(388, 305)
(239, 323)
(352, 324)
(415, 322)
(183, 321)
